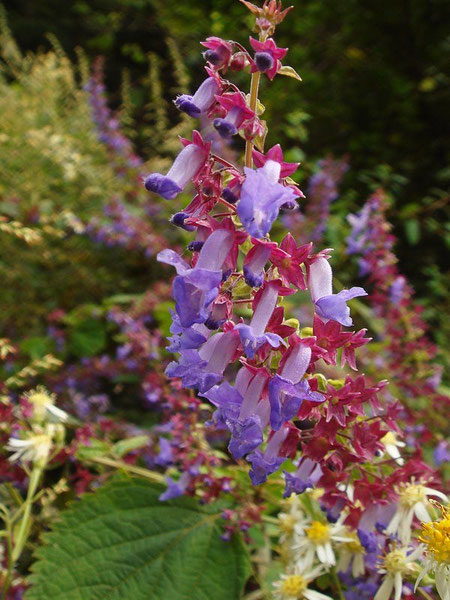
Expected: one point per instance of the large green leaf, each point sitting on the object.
(122, 543)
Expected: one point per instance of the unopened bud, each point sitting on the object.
(239, 62)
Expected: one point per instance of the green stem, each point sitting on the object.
(118, 464)
(254, 87)
(22, 536)
(425, 594)
(8, 577)
(337, 584)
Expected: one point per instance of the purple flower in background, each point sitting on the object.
(204, 97)
(328, 305)
(442, 453)
(287, 390)
(175, 489)
(396, 293)
(322, 191)
(165, 454)
(253, 336)
(261, 198)
(185, 167)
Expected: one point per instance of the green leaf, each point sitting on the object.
(124, 446)
(94, 449)
(289, 72)
(122, 543)
(37, 347)
(88, 338)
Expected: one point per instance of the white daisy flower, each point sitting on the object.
(396, 564)
(412, 501)
(436, 537)
(294, 586)
(35, 448)
(392, 445)
(315, 538)
(351, 553)
(44, 409)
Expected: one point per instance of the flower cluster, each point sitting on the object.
(108, 126)
(408, 353)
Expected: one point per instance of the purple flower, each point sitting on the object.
(255, 262)
(165, 454)
(194, 290)
(175, 488)
(397, 290)
(186, 338)
(246, 436)
(253, 336)
(287, 391)
(204, 369)
(198, 104)
(328, 305)
(442, 453)
(267, 462)
(306, 476)
(228, 401)
(261, 198)
(185, 167)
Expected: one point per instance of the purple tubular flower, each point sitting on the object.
(287, 391)
(254, 269)
(195, 246)
(175, 489)
(246, 436)
(194, 290)
(226, 128)
(186, 338)
(247, 430)
(179, 218)
(193, 371)
(330, 306)
(306, 476)
(253, 336)
(198, 104)
(228, 401)
(185, 167)
(261, 198)
(203, 369)
(267, 462)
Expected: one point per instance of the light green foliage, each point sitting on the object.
(123, 543)
(55, 176)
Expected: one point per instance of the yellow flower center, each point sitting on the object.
(39, 399)
(411, 493)
(318, 532)
(436, 536)
(396, 562)
(294, 585)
